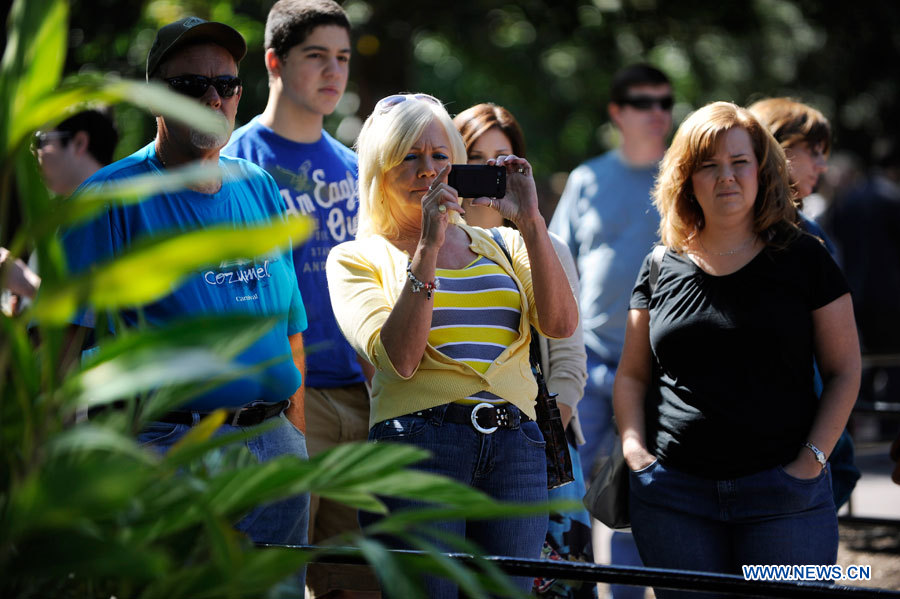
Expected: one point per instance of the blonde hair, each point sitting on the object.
(681, 217)
(385, 139)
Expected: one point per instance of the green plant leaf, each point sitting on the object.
(395, 579)
(33, 59)
(205, 429)
(52, 106)
(56, 497)
(84, 205)
(88, 438)
(68, 552)
(191, 447)
(162, 262)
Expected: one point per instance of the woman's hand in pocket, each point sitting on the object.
(636, 455)
(804, 467)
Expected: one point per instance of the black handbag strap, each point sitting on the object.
(534, 350)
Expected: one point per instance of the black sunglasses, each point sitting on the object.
(648, 102)
(196, 85)
(42, 138)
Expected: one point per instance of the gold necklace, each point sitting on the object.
(740, 248)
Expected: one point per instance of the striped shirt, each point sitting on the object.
(475, 317)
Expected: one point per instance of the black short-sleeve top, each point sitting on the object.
(734, 358)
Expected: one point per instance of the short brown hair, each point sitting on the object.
(793, 122)
(291, 21)
(681, 217)
(474, 122)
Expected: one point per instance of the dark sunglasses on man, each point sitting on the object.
(42, 138)
(196, 85)
(648, 102)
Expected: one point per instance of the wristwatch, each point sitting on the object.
(820, 455)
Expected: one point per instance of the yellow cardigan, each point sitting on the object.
(365, 279)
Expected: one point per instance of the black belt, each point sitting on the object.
(484, 417)
(249, 416)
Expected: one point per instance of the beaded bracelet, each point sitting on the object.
(418, 285)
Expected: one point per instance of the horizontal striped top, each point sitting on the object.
(475, 317)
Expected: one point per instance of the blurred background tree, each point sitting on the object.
(550, 62)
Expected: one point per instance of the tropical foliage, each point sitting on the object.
(84, 510)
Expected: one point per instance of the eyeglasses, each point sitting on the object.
(42, 138)
(196, 85)
(648, 102)
(385, 104)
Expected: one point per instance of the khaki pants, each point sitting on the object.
(334, 416)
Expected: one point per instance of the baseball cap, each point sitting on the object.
(193, 29)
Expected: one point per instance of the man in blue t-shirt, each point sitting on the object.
(606, 217)
(199, 59)
(307, 57)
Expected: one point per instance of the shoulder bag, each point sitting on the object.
(559, 462)
(607, 496)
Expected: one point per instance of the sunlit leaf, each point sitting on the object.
(33, 58)
(202, 431)
(192, 449)
(88, 438)
(77, 92)
(91, 200)
(163, 262)
(143, 371)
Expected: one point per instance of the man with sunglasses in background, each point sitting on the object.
(75, 149)
(200, 59)
(68, 154)
(307, 57)
(607, 218)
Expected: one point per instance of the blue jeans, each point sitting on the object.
(595, 413)
(688, 523)
(507, 465)
(568, 539)
(284, 522)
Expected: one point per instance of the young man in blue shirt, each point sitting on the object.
(307, 45)
(606, 217)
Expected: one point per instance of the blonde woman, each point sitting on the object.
(444, 318)
(489, 132)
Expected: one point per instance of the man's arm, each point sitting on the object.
(295, 413)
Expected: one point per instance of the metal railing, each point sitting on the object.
(681, 580)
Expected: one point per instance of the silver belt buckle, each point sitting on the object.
(474, 418)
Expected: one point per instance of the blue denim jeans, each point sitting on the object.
(684, 522)
(284, 522)
(595, 413)
(507, 465)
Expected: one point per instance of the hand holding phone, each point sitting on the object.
(478, 180)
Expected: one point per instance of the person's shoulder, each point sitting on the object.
(243, 138)
(253, 179)
(338, 148)
(367, 249)
(137, 163)
(804, 246)
(596, 167)
(243, 167)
